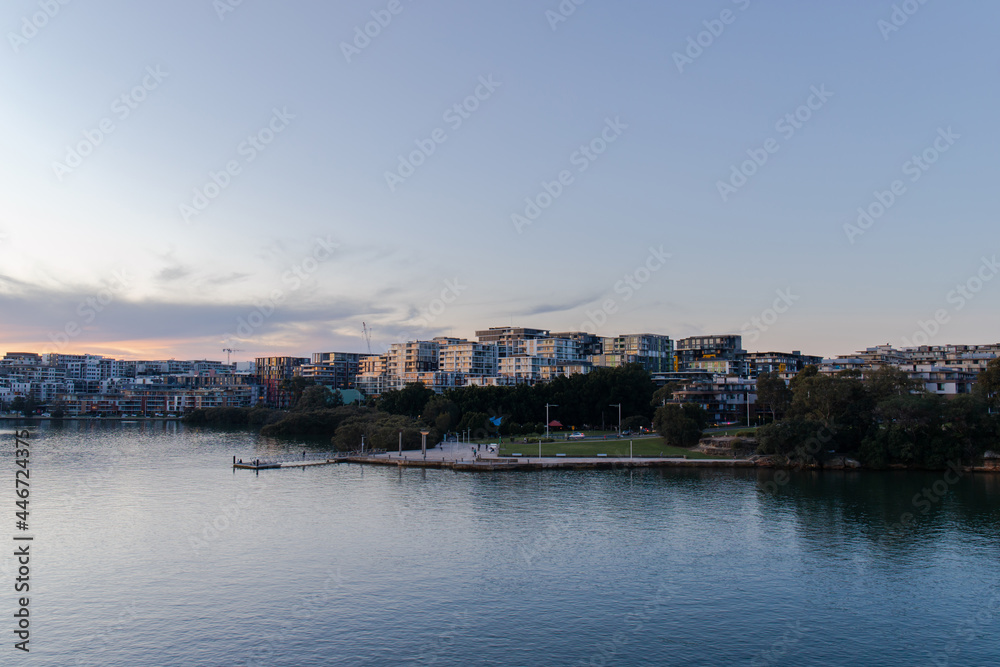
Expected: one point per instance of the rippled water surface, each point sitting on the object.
(151, 550)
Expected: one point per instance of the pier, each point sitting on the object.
(291, 461)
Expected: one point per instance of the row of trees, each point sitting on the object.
(584, 399)
(319, 412)
(883, 419)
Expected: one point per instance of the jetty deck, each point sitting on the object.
(306, 460)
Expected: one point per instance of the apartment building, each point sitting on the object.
(970, 358)
(468, 358)
(784, 363)
(333, 369)
(269, 374)
(695, 348)
(941, 380)
(510, 340)
(416, 356)
(654, 352)
(149, 400)
(725, 399)
(590, 344)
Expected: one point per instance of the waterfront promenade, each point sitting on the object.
(467, 457)
(470, 457)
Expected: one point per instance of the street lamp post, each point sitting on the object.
(619, 406)
(423, 443)
(748, 405)
(547, 406)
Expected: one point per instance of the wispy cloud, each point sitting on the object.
(550, 307)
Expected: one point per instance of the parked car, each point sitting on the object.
(627, 431)
(576, 436)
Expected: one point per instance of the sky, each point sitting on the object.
(178, 178)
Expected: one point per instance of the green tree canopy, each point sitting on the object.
(887, 382)
(294, 386)
(680, 425)
(408, 401)
(796, 439)
(987, 385)
(773, 394)
(664, 394)
(381, 431)
(318, 397)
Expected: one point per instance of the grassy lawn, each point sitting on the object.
(729, 431)
(616, 447)
(556, 435)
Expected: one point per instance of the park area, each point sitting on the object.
(612, 447)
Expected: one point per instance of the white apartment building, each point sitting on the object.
(469, 358)
(941, 380)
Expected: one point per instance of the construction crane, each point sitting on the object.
(367, 333)
(229, 351)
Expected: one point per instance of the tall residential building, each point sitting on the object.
(510, 340)
(729, 400)
(333, 369)
(373, 376)
(542, 359)
(269, 373)
(695, 348)
(467, 357)
(654, 352)
(784, 363)
(971, 358)
(590, 344)
(415, 356)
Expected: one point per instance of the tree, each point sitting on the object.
(987, 385)
(26, 406)
(313, 423)
(381, 431)
(294, 386)
(841, 404)
(441, 412)
(636, 422)
(680, 425)
(477, 422)
(408, 401)
(969, 426)
(664, 394)
(806, 372)
(773, 393)
(889, 381)
(318, 397)
(58, 409)
(928, 431)
(796, 439)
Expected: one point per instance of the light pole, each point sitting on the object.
(619, 406)
(748, 405)
(547, 406)
(423, 443)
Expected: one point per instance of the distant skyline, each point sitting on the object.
(238, 357)
(185, 177)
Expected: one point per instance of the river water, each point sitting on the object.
(149, 549)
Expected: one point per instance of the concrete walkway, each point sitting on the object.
(467, 453)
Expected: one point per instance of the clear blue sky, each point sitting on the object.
(339, 118)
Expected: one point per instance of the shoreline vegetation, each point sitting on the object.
(882, 421)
